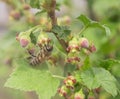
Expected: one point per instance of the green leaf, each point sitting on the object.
(89, 23)
(98, 25)
(96, 77)
(35, 4)
(62, 31)
(77, 76)
(31, 79)
(86, 63)
(84, 19)
(33, 38)
(89, 79)
(107, 64)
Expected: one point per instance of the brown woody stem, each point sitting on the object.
(51, 14)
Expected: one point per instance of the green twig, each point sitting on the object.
(60, 77)
(83, 30)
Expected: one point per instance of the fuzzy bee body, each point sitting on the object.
(42, 55)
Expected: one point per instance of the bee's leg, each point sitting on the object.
(29, 58)
(32, 54)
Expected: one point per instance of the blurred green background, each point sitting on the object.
(14, 19)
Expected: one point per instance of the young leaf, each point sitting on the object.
(84, 19)
(89, 23)
(31, 79)
(33, 38)
(62, 31)
(35, 4)
(103, 27)
(96, 77)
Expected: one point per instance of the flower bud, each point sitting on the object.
(63, 91)
(26, 7)
(92, 48)
(73, 48)
(43, 39)
(15, 14)
(24, 41)
(84, 43)
(79, 95)
(73, 59)
(70, 82)
(73, 45)
(67, 20)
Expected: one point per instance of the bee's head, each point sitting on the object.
(49, 47)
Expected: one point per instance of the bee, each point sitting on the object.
(43, 54)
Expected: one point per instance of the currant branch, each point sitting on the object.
(52, 16)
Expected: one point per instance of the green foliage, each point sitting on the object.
(109, 63)
(33, 38)
(89, 23)
(100, 7)
(86, 63)
(86, 21)
(35, 4)
(30, 79)
(62, 31)
(96, 77)
(43, 78)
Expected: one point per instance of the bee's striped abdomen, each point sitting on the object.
(44, 53)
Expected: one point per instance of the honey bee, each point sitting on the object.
(42, 55)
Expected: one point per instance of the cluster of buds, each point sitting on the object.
(73, 59)
(70, 81)
(84, 43)
(73, 49)
(69, 84)
(63, 91)
(26, 42)
(75, 46)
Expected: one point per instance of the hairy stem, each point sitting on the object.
(51, 14)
